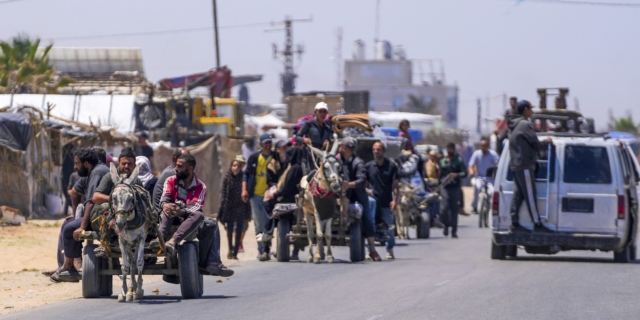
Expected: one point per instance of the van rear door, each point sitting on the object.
(588, 200)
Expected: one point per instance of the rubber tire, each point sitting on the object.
(624, 256)
(283, 242)
(511, 251)
(90, 268)
(106, 281)
(423, 226)
(356, 247)
(633, 252)
(481, 210)
(498, 252)
(200, 285)
(188, 270)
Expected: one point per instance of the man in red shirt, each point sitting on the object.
(182, 201)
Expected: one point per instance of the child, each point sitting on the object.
(233, 211)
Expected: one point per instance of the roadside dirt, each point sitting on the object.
(29, 249)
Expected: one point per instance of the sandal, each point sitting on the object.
(71, 275)
(50, 272)
(375, 256)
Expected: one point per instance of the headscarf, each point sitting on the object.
(145, 169)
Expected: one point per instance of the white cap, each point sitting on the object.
(321, 105)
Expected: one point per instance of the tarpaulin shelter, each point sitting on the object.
(33, 150)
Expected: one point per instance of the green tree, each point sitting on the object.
(624, 124)
(26, 69)
(417, 104)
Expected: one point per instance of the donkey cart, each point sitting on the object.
(293, 229)
(182, 268)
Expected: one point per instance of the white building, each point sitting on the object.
(389, 80)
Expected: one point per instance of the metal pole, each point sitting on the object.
(479, 120)
(549, 164)
(215, 32)
(110, 108)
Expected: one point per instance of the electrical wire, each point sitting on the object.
(159, 32)
(8, 1)
(581, 2)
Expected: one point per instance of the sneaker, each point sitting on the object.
(516, 227)
(390, 255)
(294, 257)
(542, 229)
(445, 231)
(437, 223)
(455, 236)
(240, 249)
(219, 270)
(264, 256)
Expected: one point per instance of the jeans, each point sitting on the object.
(188, 223)
(72, 248)
(209, 241)
(230, 227)
(477, 185)
(261, 221)
(368, 219)
(386, 214)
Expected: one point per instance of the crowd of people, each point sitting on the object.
(255, 183)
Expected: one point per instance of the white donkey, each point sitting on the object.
(319, 201)
(131, 227)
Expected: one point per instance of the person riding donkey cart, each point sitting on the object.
(182, 202)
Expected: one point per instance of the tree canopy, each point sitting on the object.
(26, 69)
(624, 124)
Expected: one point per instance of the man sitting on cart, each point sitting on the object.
(182, 202)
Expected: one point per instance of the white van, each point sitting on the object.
(592, 198)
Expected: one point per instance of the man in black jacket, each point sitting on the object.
(354, 186)
(453, 167)
(523, 150)
(316, 133)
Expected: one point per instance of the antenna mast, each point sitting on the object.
(288, 77)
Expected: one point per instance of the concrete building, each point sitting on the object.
(390, 82)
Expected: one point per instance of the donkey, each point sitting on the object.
(319, 201)
(132, 228)
(409, 201)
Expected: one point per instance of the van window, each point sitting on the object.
(584, 164)
(541, 168)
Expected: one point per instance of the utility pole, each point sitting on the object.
(338, 57)
(215, 33)
(377, 31)
(479, 119)
(288, 77)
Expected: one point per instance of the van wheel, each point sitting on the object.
(512, 251)
(632, 254)
(623, 256)
(498, 252)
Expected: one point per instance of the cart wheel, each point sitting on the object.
(423, 226)
(355, 241)
(188, 269)
(90, 268)
(106, 281)
(284, 225)
(511, 251)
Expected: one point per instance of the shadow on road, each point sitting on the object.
(175, 299)
(569, 259)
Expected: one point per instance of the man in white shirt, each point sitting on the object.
(480, 161)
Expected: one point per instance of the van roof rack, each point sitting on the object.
(605, 136)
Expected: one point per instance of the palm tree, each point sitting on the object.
(25, 69)
(624, 124)
(417, 104)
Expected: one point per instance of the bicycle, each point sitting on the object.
(483, 206)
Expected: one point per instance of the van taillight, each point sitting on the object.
(621, 207)
(495, 203)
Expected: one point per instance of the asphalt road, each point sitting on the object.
(438, 278)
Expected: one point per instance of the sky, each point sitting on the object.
(489, 47)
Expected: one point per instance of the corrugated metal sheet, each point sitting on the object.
(96, 60)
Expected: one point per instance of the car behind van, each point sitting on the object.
(587, 193)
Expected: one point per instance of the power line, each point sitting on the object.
(592, 3)
(8, 1)
(130, 34)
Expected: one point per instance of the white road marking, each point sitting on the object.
(375, 317)
(442, 283)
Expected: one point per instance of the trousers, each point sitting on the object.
(451, 201)
(524, 189)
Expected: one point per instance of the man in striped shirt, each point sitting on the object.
(182, 201)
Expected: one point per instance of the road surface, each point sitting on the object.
(437, 278)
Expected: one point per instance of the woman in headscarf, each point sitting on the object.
(146, 177)
(233, 212)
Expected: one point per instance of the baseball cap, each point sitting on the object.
(239, 158)
(523, 104)
(265, 137)
(321, 105)
(348, 143)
